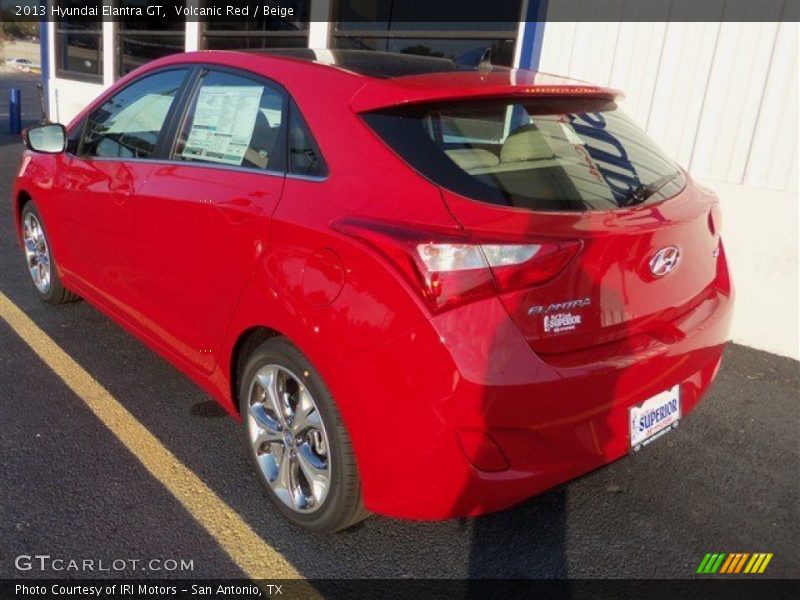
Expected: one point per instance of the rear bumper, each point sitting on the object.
(551, 451)
(468, 376)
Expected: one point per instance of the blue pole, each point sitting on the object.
(533, 34)
(44, 43)
(15, 111)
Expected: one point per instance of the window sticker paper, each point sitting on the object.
(223, 123)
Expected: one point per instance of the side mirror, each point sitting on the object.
(50, 139)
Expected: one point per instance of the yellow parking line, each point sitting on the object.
(252, 554)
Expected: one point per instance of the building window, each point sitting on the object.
(142, 39)
(488, 32)
(79, 46)
(261, 32)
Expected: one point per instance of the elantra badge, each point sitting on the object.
(544, 309)
(664, 261)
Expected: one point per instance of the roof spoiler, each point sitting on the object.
(497, 83)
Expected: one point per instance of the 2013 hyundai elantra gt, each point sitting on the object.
(427, 290)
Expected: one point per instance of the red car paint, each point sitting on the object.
(453, 410)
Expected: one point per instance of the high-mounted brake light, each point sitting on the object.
(449, 269)
(567, 90)
(380, 95)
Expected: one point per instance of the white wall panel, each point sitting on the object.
(593, 45)
(732, 101)
(722, 99)
(762, 249)
(635, 65)
(773, 157)
(68, 98)
(681, 87)
(557, 48)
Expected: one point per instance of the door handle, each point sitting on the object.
(238, 210)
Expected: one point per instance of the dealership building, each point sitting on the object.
(720, 97)
(80, 57)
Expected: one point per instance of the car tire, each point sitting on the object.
(297, 441)
(39, 258)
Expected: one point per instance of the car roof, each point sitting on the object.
(380, 80)
(397, 79)
(372, 64)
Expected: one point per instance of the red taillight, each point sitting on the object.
(448, 268)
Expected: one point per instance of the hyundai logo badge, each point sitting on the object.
(664, 261)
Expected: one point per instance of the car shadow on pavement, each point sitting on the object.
(526, 541)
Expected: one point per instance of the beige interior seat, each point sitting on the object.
(470, 159)
(526, 146)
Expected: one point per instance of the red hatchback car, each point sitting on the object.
(427, 290)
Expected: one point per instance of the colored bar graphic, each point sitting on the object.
(741, 562)
(711, 563)
(765, 563)
(703, 563)
(727, 564)
(718, 563)
(754, 563)
(735, 559)
(735, 562)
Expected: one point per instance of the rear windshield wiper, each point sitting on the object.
(642, 192)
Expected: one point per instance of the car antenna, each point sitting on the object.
(40, 87)
(468, 59)
(485, 63)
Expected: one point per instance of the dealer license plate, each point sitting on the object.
(654, 417)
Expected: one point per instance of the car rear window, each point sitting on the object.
(569, 154)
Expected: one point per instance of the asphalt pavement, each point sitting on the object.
(725, 481)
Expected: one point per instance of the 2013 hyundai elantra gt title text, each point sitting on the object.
(426, 290)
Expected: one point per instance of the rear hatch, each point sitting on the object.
(622, 243)
(609, 291)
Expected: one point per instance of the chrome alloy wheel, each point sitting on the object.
(289, 438)
(36, 252)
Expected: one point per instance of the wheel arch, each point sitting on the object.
(247, 341)
(21, 198)
(264, 313)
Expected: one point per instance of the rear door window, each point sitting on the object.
(566, 154)
(234, 120)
